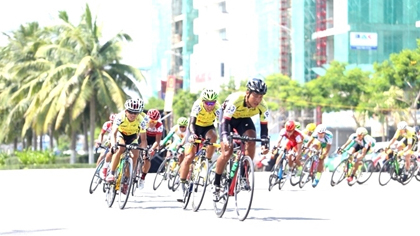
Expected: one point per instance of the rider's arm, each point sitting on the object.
(143, 139)
(155, 145)
(113, 135)
(167, 138)
(327, 150)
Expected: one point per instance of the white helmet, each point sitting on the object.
(134, 105)
(361, 131)
(402, 125)
(321, 128)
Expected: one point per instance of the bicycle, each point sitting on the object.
(96, 178)
(237, 182)
(393, 168)
(124, 168)
(345, 168)
(309, 167)
(198, 175)
(278, 173)
(165, 170)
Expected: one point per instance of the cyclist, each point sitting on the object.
(204, 112)
(128, 125)
(154, 133)
(238, 108)
(406, 146)
(178, 132)
(292, 140)
(321, 140)
(360, 142)
(106, 129)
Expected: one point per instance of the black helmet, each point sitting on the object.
(257, 86)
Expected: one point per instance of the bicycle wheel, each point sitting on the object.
(284, 165)
(364, 173)
(110, 193)
(125, 182)
(220, 206)
(305, 177)
(411, 172)
(175, 182)
(273, 179)
(96, 178)
(200, 183)
(386, 172)
(161, 174)
(339, 173)
(294, 179)
(244, 187)
(136, 176)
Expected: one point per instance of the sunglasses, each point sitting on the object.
(210, 103)
(153, 121)
(132, 113)
(182, 127)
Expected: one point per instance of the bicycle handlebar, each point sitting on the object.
(206, 142)
(247, 138)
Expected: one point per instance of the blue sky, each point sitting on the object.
(131, 17)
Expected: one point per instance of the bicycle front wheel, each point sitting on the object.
(161, 174)
(307, 172)
(244, 187)
(364, 173)
(125, 183)
(339, 173)
(386, 172)
(96, 178)
(136, 176)
(110, 193)
(199, 183)
(220, 205)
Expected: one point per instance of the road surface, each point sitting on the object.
(57, 202)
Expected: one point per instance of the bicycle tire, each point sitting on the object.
(306, 172)
(285, 168)
(199, 183)
(294, 179)
(136, 176)
(96, 178)
(386, 172)
(366, 171)
(244, 187)
(339, 173)
(110, 193)
(411, 173)
(176, 182)
(221, 205)
(161, 174)
(126, 168)
(273, 178)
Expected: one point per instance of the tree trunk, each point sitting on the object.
(34, 140)
(50, 133)
(73, 146)
(92, 128)
(40, 142)
(15, 143)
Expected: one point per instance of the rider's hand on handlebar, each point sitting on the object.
(192, 138)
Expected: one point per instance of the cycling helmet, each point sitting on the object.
(257, 85)
(290, 125)
(311, 127)
(297, 124)
(361, 131)
(417, 128)
(209, 95)
(112, 116)
(182, 121)
(153, 114)
(321, 128)
(402, 125)
(134, 105)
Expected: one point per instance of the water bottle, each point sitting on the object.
(234, 168)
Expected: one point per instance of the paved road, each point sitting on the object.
(57, 202)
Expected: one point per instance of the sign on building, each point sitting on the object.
(363, 40)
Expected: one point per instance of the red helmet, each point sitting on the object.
(290, 125)
(154, 114)
(112, 117)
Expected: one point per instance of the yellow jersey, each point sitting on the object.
(410, 134)
(235, 107)
(126, 127)
(205, 118)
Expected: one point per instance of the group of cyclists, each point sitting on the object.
(133, 126)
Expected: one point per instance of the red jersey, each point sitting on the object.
(293, 140)
(157, 129)
(106, 127)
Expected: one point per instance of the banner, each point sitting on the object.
(170, 92)
(363, 40)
